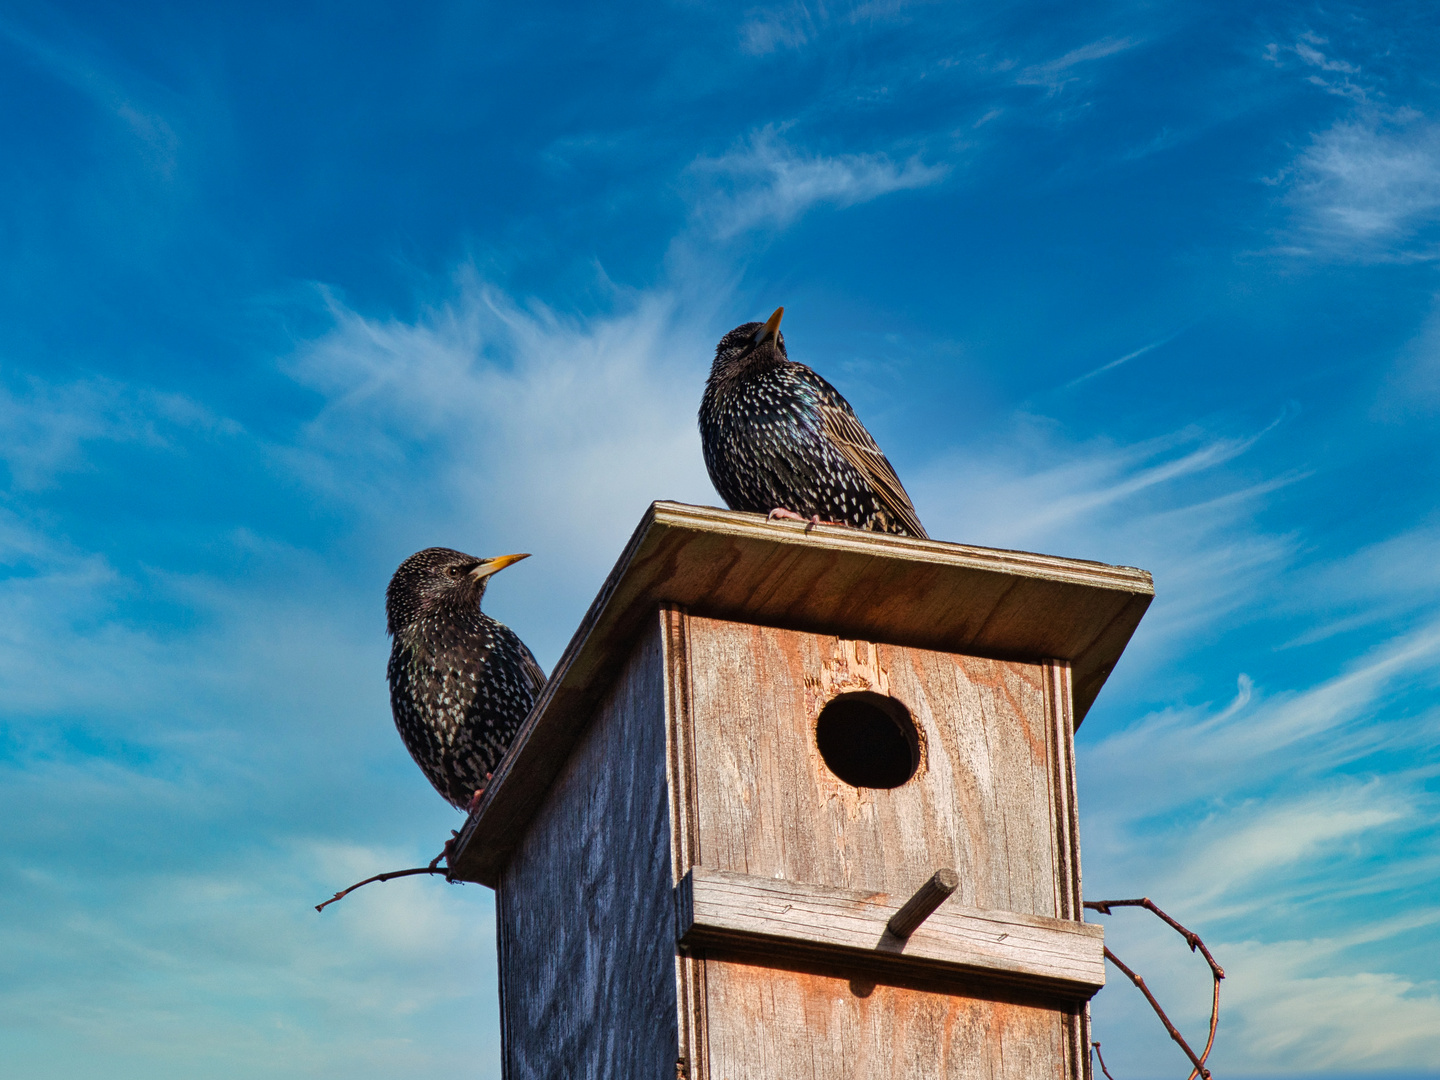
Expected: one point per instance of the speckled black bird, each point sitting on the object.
(780, 440)
(461, 683)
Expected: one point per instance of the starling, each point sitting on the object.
(781, 440)
(461, 684)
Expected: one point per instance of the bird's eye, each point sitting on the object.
(453, 571)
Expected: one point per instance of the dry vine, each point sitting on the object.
(1193, 940)
(1101, 1056)
(433, 868)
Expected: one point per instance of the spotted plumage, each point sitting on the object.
(779, 437)
(460, 682)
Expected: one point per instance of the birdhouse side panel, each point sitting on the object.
(767, 1022)
(983, 800)
(585, 909)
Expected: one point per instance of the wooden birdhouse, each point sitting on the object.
(765, 757)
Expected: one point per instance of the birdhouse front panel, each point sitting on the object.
(771, 1022)
(977, 753)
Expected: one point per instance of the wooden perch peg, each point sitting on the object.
(926, 899)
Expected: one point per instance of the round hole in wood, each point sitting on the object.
(868, 740)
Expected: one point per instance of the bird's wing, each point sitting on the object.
(856, 445)
(533, 671)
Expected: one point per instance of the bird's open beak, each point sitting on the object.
(771, 327)
(490, 566)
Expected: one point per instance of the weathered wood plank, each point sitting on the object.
(768, 1023)
(741, 912)
(1058, 693)
(768, 805)
(585, 911)
(922, 593)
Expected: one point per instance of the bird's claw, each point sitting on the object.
(479, 794)
(780, 513)
(788, 515)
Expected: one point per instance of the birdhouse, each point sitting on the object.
(801, 804)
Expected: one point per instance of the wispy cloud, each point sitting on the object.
(1165, 504)
(1411, 388)
(1124, 359)
(766, 182)
(765, 30)
(468, 414)
(1369, 185)
(1303, 1010)
(1056, 74)
(45, 427)
(71, 64)
(1335, 76)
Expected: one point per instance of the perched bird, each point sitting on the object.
(461, 683)
(781, 440)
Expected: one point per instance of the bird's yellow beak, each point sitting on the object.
(491, 566)
(771, 327)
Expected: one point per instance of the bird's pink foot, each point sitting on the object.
(780, 513)
(479, 794)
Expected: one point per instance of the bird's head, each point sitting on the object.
(437, 578)
(751, 344)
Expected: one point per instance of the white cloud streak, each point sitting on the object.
(766, 183)
(1124, 359)
(500, 426)
(1368, 186)
(1056, 74)
(70, 64)
(1370, 183)
(766, 30)
(1163, 504)
(45, 428)
(792, 26)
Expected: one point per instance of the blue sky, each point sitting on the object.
(290, 292)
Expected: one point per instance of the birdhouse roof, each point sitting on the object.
(831, 580)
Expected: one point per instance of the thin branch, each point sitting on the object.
(433, 868)
(1193, 940)
(380, 877)
(1101, 1056)
(1174, 1034)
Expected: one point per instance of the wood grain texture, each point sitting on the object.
(1067, 827)
(768, 1023)
(585, 909)
(780, 918)
(982, 800)
(922, 593)
(680, 758)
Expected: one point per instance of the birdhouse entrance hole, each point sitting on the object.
(868, 740)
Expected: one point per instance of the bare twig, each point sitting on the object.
(379, 877)
(1193, 940)
(1101, 1056)
(433, 868)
